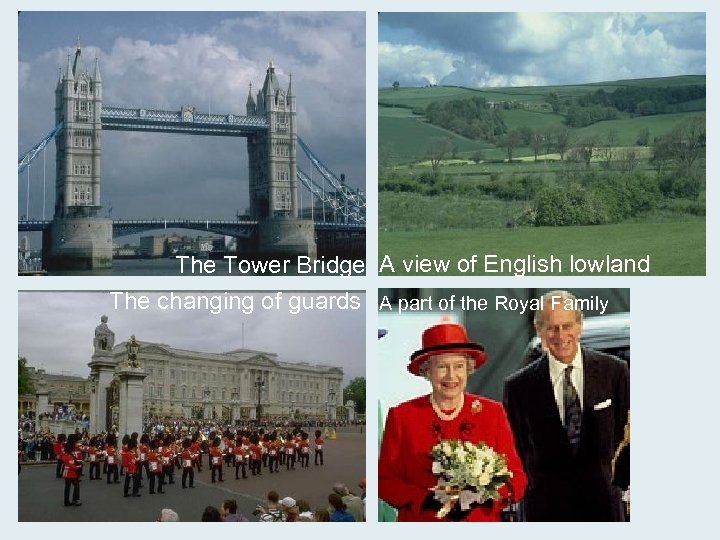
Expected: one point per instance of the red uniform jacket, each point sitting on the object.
(255, 452)
(405, 465)
(166, 456)
(239, 452)
(195, 449)
(129, 461)
(187, 459)
(111, 455)
(154, 462)
(70, 469)
(216, 456)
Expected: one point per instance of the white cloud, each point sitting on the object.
(617, 49)
(541, 48)
(210, 70)
(55, 329)
(24, 69)
(539, 32)
(413, 64)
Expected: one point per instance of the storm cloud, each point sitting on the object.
(519, 49)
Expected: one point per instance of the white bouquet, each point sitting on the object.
(468, 473)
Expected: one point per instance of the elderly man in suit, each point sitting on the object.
(567, 411)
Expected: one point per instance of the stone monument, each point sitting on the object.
(207, 406)
(42, 394)
(102, 369)
(350, 406)
(131, 375)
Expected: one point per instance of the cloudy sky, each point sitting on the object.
(528, 49)
(164, 60)
(56, 329)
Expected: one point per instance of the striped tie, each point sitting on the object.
(573, 412)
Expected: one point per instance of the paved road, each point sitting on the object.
(40, 494)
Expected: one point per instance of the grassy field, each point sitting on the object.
(400, 211)
(406, 136)
(627, 129)
(420, 97)
(462, 219)
(663, 242)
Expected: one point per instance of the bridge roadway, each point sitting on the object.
(229, 227)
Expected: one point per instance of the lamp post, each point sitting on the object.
(259, 385)
(292, 410)
(327, 409)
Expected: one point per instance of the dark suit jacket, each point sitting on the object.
(563, 486)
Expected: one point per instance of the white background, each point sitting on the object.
(675, 373)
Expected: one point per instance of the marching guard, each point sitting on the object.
(94, 455)
(129, 462)
(142, 452)
(216, 461)
(155, 468)
(273, 457)
(255, 452)
(304, 449)
(70, 474)
(111, 459)
(167, 457)
(187, 464)
(58, 450)
(319, 447)
(289, 452)
(240, 458)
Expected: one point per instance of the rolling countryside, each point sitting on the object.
(586, 169)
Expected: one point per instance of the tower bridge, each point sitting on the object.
(226, 227)
(78, 238)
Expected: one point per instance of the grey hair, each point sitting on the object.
(425, 364)
(169, 515)
(547, 300)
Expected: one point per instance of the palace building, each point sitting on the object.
(232, 386)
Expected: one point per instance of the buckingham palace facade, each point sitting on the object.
(232, 384)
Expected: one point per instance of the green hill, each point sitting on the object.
(404, 135)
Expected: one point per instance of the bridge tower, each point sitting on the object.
(77, 237)
(272, 156)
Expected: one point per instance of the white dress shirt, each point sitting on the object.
(557, 374)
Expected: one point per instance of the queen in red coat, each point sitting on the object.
(412, 428)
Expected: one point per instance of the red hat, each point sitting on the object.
(446, 337)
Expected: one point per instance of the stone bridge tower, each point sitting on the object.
(78, 238)
(272, 157)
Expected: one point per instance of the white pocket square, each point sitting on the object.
(602, 404)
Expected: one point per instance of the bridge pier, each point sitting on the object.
(78, 243)
(283, 237)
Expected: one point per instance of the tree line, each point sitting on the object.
(615, 190)
(600, 105)
(471, 118)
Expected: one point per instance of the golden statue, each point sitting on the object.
(132, 347)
